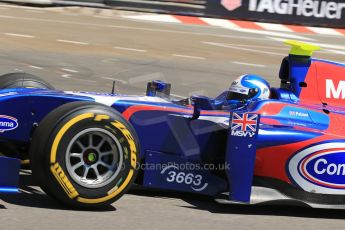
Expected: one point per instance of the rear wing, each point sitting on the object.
(295, 67)
(312, 80)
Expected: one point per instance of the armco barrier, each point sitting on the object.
(36, 2)
(186, 7)
(329, 13)
(87, 3)
(326, 13)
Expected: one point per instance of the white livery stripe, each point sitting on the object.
(216, 119)
(275, 27)
(294, 167)
(109, 99)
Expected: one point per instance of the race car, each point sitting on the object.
(252, 144)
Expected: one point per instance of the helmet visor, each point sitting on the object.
(242, 96)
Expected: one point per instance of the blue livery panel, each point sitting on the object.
(9, 171)
(241, 154)
(170, 172)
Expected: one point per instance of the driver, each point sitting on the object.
(245, 89)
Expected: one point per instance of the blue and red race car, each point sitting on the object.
(86, 149)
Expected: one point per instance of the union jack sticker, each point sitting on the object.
(244, 122)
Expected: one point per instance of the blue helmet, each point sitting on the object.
(248, 88)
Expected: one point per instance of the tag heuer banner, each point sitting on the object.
(312, 12)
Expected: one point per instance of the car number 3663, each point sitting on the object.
(196, 181)
(182, 177)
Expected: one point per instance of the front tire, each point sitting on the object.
(84, 154)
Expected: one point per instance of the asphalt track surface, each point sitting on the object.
(83, 52)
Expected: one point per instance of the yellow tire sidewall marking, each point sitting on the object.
(100, 117)
(114, 192)
(61, 177)
(112, 195)
(55, 168)
(63, 130)
(130, 140)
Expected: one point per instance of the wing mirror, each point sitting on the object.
(158, 88)
(201, 103)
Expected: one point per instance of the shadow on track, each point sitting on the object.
(32, 197)
(205, 203)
